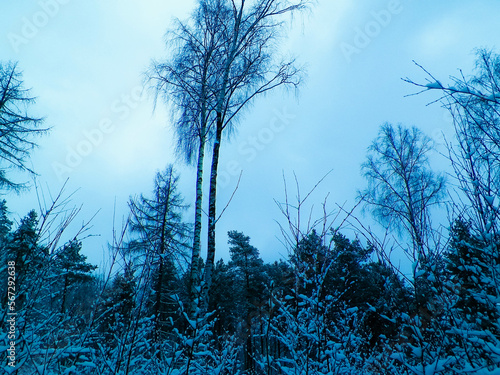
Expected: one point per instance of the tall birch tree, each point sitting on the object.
(249, 69)
(222, 59)
(185, 81)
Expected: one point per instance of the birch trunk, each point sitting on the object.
(209, 266)
(195, 257)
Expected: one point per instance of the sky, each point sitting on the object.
(85, 63)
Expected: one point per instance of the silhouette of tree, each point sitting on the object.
(17, 125)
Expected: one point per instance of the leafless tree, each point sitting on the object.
(224, 59)
(248, 69)
(474, 103)
(17, 125)
(474, 153)
(401, 186)
(185, 81)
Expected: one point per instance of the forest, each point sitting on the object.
(340, 302)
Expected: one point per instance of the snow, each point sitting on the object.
(434, 85)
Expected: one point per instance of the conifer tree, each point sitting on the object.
(18, 126)
(117, 306)
(5, 228)
(160, 242)
(72, 269)
(29, 256)
(250, 280)
(471, 271)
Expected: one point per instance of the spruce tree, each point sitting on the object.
(160, 240)
(72, 270)
(29, 256)
(250, 280)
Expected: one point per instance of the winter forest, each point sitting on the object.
(403, 280)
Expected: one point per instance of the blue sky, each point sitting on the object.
(85, 61)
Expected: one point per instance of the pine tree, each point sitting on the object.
(117, 306)
(5, 228)
(250, 280)
(5, 223)
(372, 288)
(309, 260)
(225, 298)
(160, 243)
(73, 271)
(29, 256)
(471, 267)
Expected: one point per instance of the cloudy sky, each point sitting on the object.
(84, 61)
